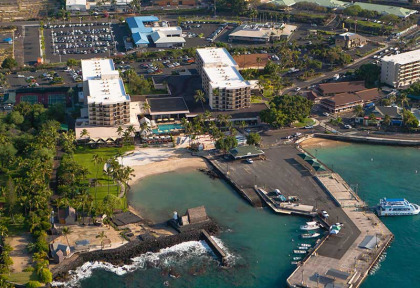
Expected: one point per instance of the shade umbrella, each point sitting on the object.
(311, 161)
(320, 168)
(159, 120)
(172, 119)
(304, 156)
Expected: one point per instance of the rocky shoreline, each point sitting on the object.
(123, 254)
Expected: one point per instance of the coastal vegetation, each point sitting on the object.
(284, 110)
(39, 160)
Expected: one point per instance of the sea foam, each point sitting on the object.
(164, 258)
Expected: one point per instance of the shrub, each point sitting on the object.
(45, 275)
(33, 284)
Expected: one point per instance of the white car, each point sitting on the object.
(309, 127)
(297, 89)
(249, 161)
(347, 126)
(326, 114)
(325, 214)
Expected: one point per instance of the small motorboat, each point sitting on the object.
(310, 235)
(297, 258)
(299, 251)
(303, 247)
(294, 262)
(310, 226)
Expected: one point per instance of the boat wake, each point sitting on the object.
(178, 254)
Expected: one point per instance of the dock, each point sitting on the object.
(214, 247)
(285, 207)
(353, 266)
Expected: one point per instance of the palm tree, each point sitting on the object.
(119, 131)
(242, 124)
(402, 97)
(259, 61)
(358, 110)
(66, 231)
(84, 133)
(97, 160)
(102, 236)
(199, 97)
(145, 106)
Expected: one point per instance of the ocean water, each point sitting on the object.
(377, 172)
(259, 242)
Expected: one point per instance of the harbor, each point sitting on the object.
(342, 259)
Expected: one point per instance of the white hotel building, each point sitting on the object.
(104, 93)
(224, 86)
(402, 69)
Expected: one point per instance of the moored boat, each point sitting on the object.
(396, 207)
(310, 226)
(309, 235)
(297, 258)
(299, 251)
(303, 247)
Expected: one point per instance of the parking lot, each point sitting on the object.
(80, 40)
(31, 45)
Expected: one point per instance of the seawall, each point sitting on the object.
(123, 254)
(369, 140)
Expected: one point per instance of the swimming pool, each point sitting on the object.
(166, 128)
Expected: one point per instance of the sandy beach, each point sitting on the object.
(151, 161)
(321, 142)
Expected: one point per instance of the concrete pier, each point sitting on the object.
(349, 270)
(369, 140)
(213, 245)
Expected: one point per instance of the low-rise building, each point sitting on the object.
(251, 61)
(104, 93)
(350, 40)
(259, 33)
(347, 101)
(402, 69)
(77, 5)
(224, 86)
(174, 3)
(146, 28)
(330, 89)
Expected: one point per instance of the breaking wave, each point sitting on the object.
(164, 258)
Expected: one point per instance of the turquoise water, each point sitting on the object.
(165, 128)
(260, 241)
(381, 171)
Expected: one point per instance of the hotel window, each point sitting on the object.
(29, 98)
(56, 98)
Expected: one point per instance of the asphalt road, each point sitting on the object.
(31, 45)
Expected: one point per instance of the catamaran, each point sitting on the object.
(396, 207)
(310, 226)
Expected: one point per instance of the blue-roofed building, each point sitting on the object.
(145, 31)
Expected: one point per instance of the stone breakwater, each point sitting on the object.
(123, 255)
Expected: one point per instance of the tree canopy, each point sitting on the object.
(284, 110)
(370, 73)
(9, 63)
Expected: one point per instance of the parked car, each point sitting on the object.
(309, 127)
(347, 126)
(249, 161)
(325, 214)
(326, 114)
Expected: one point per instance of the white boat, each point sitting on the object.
(309, 235)
(303, 247)
(294, 262)
(299, 251)
(396, 207)
(297, 258)
(310, 226)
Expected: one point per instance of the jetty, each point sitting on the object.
(360, 255)
(341, 260)
(369, 139)
(214, 247)
(285, 207)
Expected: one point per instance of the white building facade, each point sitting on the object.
(402, 69)
(223, 84)
(104, 93)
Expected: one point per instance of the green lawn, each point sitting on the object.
(22, 277)
(306, 122)
(84, 156)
